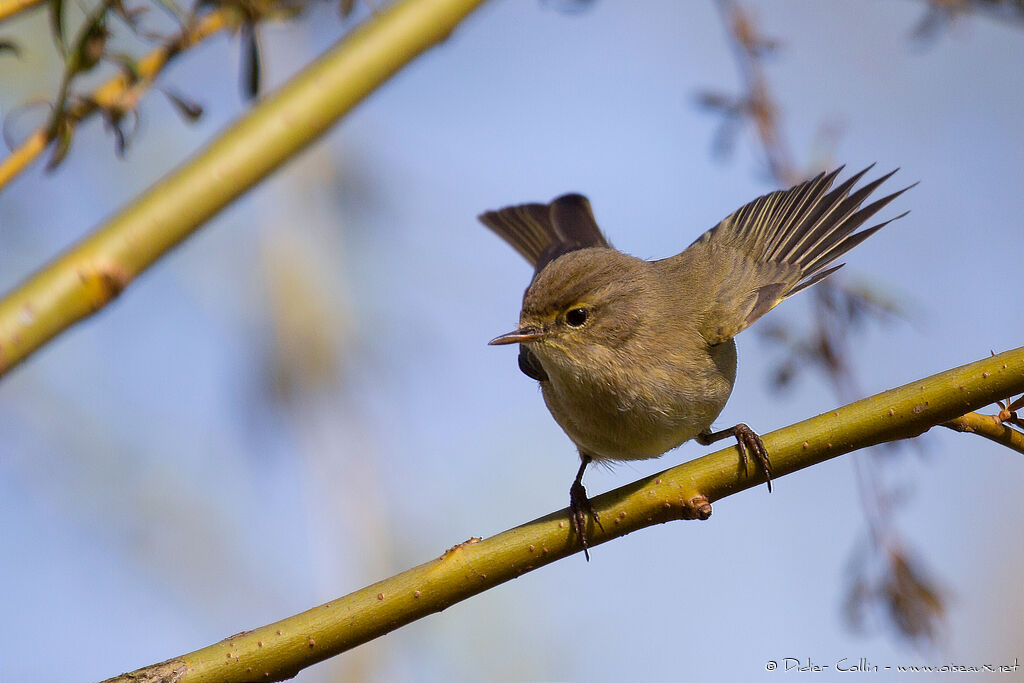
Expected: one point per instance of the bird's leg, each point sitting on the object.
(580, 506)
(746, 440)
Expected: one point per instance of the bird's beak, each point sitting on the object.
(523, 335)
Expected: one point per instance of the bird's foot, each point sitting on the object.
(580, 508)
(747, 441)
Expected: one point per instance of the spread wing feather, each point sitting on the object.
(779, 244)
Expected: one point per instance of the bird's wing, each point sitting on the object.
(543, 232)
(777, 245)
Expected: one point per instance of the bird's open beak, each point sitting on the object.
(523, 335)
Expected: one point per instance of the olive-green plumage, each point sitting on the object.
(635, 357)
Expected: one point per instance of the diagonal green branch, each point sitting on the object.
(92, 273)
(280, 650)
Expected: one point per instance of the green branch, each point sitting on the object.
(990, 427)
(91, 274)
(280, 650)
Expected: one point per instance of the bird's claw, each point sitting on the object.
(748, 440)
(580, 508)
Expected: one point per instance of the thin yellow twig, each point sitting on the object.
(23, 155)
(119, 92)
(989, 427)
(8, 8)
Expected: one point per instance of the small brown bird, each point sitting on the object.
(636, 357)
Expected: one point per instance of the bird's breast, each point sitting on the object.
(633, 411)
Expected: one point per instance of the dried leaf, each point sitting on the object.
(130, 15)
(784, 375)
(128, 66)
(858, 597)
(717, 102)
(10, 46)
(915, 605)
(92, 46)
(251, 61)
(116, 120)
(569, 6)
(119, 136)
(189, 110)
(61, 143)
(888, 580)
(725, 138)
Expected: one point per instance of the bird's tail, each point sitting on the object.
(543, 232)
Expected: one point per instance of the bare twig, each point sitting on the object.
(757, 103)
(120, 93)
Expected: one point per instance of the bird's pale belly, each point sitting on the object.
(621, 423)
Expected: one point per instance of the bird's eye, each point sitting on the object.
(575, 317)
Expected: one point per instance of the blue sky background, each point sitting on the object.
(300, 401)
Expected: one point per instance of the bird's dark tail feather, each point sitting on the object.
(543, 232)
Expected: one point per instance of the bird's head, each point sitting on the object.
(581, 306)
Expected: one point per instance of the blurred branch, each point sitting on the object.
(757, 103)
(8, 8)
(280, 650)
(91, 274)
(941, 13)
(119, 94)
(913, 603)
